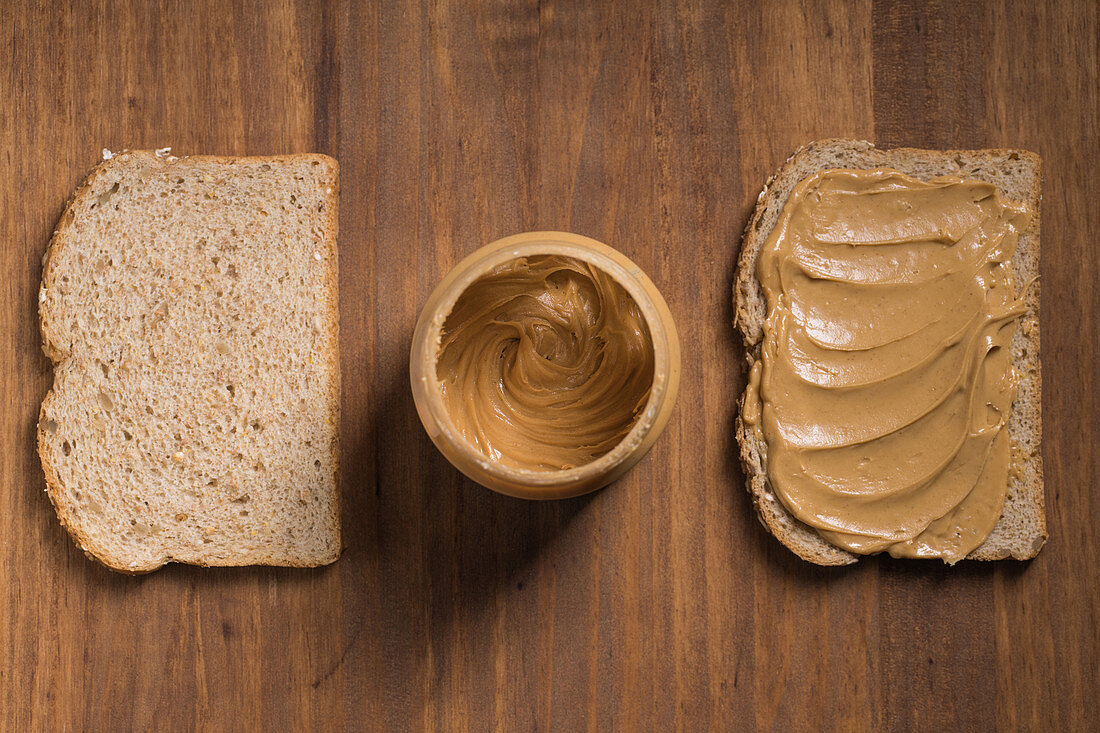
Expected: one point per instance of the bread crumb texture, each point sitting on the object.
(189, 307)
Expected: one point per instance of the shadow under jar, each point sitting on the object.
(545, 365)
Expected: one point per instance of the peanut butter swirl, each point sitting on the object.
(886, 380)
(545, 363)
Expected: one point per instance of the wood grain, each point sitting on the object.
(659, 603)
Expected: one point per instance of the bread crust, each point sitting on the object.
(1021, 530)
(61, 238)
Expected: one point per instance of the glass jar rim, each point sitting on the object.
(533, 483)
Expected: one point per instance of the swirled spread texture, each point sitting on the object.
(545, 363)
(886, 380)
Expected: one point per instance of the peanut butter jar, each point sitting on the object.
(545, 365)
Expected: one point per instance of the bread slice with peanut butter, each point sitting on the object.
(1020, 530)
(190, 308)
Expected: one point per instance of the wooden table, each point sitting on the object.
(656, 604)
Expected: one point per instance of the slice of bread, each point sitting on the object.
(189, 306)
(1021, 530)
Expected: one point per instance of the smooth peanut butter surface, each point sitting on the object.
(545, 363)
(886, 381)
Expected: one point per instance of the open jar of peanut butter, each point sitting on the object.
(545, 365)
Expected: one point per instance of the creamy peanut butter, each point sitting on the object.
(886, 380)
(545, 363)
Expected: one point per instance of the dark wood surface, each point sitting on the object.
(656, 604)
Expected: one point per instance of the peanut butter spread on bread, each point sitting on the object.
(885, 380)
(545, 363)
